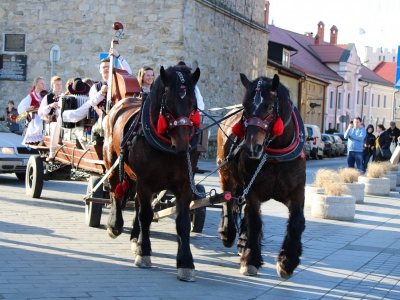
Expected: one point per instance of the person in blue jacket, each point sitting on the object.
(355, 144)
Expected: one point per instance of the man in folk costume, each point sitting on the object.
(34, 132)
(98, 91)
(49, 111)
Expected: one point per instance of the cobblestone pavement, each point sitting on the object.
(47, 252)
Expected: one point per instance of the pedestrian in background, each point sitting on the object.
(369, 146)
(394, 133)
(355, 144)
(382, 144)
(10, 117)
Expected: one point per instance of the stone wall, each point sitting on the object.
(222, 37)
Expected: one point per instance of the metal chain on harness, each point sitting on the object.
(191, 178)
(242, 199)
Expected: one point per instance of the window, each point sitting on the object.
(339, 99)
(383, 121)
(348, 100)
(331, 101)
(286, 58)
(330, 126)
(309, 87)
(358, 97)
(379, 101)
(384, 58)
(320, 89)
(394, 58)
(365, 98)
(372, 100)
(384, 101)
(379, 58)
(313, 87)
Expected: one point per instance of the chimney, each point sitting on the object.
(334, 34)
(317, 40)
(321, 29)
(266, 13)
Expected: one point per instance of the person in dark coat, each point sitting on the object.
(369, 146)
(393, 131)
(10, 117)
(382, 144)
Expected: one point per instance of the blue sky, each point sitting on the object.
(377, 17)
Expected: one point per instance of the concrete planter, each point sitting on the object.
(310, 191)
(356, 190)
(342, 208)
(397, 173)
(375, 186)
(393, 180)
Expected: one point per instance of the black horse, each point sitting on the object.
(157, 160)
(267, 162)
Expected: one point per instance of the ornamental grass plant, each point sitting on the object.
(349, 175)
(376, 169)
(324, 175)
(335, 188)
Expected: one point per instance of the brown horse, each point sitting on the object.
(269, 131)
(156, 160)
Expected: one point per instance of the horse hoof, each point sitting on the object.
(185, 274)
(281, 272)
(143, 261)
(111, 233)
(134, 247)
(248, 270)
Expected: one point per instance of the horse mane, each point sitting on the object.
(174, 84)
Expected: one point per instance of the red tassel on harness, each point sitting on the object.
(277, 129)
(161, 124)
(125, 184)
(119, 191)
(238, 129)
(195, 118)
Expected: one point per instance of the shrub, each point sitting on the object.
(335, 188)
(376, 169)
(389, 167)
(349, 175)
(325, 175)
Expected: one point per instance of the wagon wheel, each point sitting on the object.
(34, 176)
(198, 215)
(93, 210)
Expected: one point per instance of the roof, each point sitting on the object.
(332, 53)
(369, 76)
(386, 70)
(306, 59)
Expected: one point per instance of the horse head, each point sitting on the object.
(260, 118)
(176, 108)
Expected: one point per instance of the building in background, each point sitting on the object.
(371, 58)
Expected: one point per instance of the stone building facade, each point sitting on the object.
(221, 37)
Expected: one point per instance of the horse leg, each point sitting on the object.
(251, 259)
(228, 226)
(115, 221)
(184, 259)
(291, 250)
(143, 249)
(227, 229)
(242, 240)
(135, 227)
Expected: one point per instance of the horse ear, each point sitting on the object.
(275, 83)
(164, 76)
(195, 76)
(243, 78)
